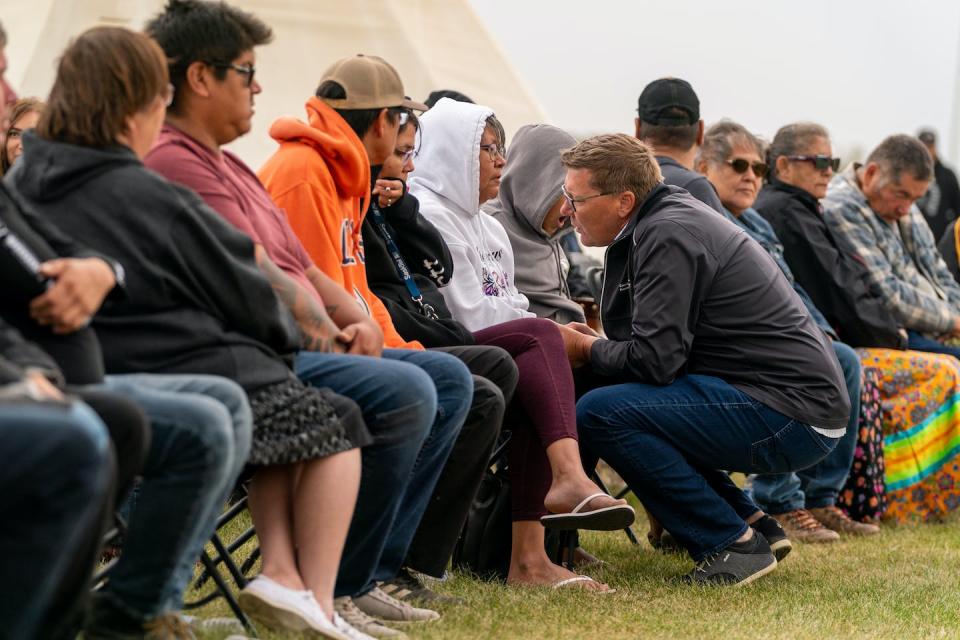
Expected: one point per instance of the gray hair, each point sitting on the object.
(494, 124)
(794, 139)
(899, 154)
(720, 139)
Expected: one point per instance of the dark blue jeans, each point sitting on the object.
(201, 429)
(414, 403)
(669, 442)
(819, 485)
(56, 472)
(917, 342)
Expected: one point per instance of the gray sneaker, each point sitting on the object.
(379, 605)
(740, 563)
(348, 611)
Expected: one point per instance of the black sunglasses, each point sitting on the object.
(820, 162)
(740, 165)
(246, 71)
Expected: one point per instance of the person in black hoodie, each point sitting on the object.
(822, 263)
(195, 303)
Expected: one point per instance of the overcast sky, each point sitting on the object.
(863, 69)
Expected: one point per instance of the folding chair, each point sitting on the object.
(224, 556)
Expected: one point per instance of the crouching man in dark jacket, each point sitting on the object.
(712, 360)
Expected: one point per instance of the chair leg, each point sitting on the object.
(227, 595)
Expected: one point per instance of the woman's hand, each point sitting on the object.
(387, 191)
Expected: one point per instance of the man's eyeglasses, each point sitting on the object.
(244, 70)
(820, 161)
(760, 169)
(495, 150)
(572, 202)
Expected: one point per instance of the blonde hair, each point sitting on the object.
(617, 162)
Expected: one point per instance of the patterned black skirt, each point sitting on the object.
(293, 422)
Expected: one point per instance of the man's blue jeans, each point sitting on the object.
(917, 342)
(669, 442)
(414, 404)
(201, 438)
(819, 485)
(56, 475)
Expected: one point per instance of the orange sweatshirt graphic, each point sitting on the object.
(319, 176)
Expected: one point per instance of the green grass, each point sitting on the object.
(904, 583)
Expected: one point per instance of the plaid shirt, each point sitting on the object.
(890, 256)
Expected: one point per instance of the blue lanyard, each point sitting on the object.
(402, 270)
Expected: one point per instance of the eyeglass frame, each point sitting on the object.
(573, 201)
(494, 151)
(833, 162)
(247, 71)
(763, 173)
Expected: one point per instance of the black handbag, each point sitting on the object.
(484, 545)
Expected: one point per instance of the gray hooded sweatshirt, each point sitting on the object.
(529, 188)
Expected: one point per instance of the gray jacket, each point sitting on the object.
(530, 186)
(687, 292)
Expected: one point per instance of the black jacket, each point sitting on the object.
(196, 302)
(687, 291)
(428, 258)
(77, 353)
(827, 268)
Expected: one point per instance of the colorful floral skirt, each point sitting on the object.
(920, 399)
(864, 496)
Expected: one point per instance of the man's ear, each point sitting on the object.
(198, 79)
(381, 123)
(628, 201)
(700, 134)
(782, 163)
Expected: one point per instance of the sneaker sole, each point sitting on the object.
(781, 549)
(278, 618)
(759, 574)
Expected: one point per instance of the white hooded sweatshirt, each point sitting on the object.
(446, 181)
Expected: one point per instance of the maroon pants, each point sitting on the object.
(543, 403)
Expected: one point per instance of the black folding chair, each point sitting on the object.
(225, 557)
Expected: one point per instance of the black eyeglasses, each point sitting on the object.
(820, 161)
(244, 70)
(573, 201)
(740, 165)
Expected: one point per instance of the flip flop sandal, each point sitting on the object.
(575, 579)
(618, 516)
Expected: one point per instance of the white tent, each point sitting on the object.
(434, 44)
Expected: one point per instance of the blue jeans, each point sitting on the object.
(414, 404)
(56, 476)
(201, 437)
(917, 342)
(668, 443)
(819, 485)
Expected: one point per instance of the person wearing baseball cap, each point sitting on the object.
(322, 176)
(668, 119)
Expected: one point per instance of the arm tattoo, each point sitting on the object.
(317, 330)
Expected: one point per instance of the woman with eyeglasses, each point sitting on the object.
(459, 163)
(23, 116)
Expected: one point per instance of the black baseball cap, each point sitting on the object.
(669, 101)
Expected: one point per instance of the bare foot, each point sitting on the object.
(548, 574)
(562, 498)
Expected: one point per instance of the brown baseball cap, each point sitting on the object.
(370, 82)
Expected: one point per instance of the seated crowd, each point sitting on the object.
(349, 332)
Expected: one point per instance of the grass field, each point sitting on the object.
(903, 584)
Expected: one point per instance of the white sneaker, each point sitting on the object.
(362, 623)
(283, 609)
(379, 605)
(347, 630)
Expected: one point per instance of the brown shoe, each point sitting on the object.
(835, 519)
(801, 525)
